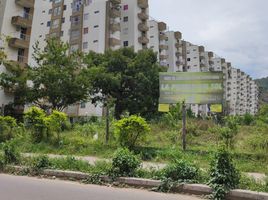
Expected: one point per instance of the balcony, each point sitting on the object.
(201, 49)
(25, 3)
(143, 4)
(143, 16)
(143, 27)
(114, 42)
(163, 47)
(178, 45)
(162, 26)
(115, 27)
(202, 57)
(143, 40)
(211, 62)
(24, 21)
(179, 63)
(178, 35)
(162, 37)
(114, 13)
(22, 42)
(163, 57)
(178, 54)
(115, 2)
(210, 54)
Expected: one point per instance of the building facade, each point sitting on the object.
(98, 25)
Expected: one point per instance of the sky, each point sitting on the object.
(236, 30)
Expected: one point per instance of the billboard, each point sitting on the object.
(191, 87)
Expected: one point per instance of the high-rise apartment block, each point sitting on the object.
(98, 25)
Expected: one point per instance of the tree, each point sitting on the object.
(130, 79)
(59, 79)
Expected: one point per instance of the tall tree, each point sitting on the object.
(130, 79)
(59, 78)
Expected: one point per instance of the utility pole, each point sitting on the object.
(183, 126)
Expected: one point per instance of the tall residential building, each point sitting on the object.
(158, 40)
(175, 51)
(15, 22)
(134, 24)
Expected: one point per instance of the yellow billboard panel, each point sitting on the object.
(216, 108)
(163, 107)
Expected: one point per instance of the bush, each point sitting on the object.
(181, 171)
(223, 175)
(7, 128)
(124, 163)
(131, 130)
(248, 119)
(40, 162)
(2, 163)
(11, 154)
(35, 119)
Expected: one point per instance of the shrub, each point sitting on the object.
(248, 119)
(35, 119)
(56, 121)
(223, 175)
(124, 163)
(181, 171)
(2, 162)
(7, 128)
(40, 162)
(11, 154)
(131, 130)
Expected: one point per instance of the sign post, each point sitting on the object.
(190, 88)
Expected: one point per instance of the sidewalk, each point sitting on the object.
(145, 165)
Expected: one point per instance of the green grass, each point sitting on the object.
(162, 145)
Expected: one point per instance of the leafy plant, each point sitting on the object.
(35, 119)
(131, 130)
(223, 175)
(11, 154)
(181, 171)
(248, 119)
(124, 163)
(40, 162)
(7, 128)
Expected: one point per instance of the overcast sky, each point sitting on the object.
(236, 30)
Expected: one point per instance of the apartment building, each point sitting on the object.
(16, 23)
(98, 25)
(134, 24)
(175, 52)
(158, 40)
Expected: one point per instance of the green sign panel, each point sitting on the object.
(191, 87)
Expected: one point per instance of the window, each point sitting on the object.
(85, 45)
(63, 20)
(96, 26)
(125, 31)
(125, 43)
(151, 36)
(48, 24)
(75, 20)
(75, 34)
(95, 41)
(55, 23)
(125, 19)
(74, 47)
(151, 26)
(64, 7)
(50, 11)
(61, 33)
(86, 30)
(125, 7)
(57, 11)
(83, 105)
(188, 59)
(97, 11)
(86, 16)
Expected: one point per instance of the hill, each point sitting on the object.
(263, 84)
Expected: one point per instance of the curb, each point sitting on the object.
(192, 189)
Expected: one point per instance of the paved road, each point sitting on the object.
(26, 188)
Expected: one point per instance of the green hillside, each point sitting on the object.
(263, 84)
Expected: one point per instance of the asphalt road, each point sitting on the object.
(26, 188)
